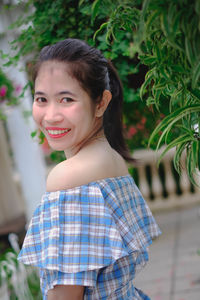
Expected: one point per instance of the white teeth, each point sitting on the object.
(58, 131)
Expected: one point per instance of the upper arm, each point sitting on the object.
(66, 292)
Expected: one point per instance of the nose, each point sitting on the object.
(53, 114)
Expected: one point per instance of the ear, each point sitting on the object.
(103, 104)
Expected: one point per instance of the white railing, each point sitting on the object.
(162, 187)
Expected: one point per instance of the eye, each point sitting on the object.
(66, 100)
(40, 100)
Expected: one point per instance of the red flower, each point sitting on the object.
(143, 121)
(131, 132)
(140, 126)
(3, 90)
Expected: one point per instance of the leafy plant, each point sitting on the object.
(167, 38)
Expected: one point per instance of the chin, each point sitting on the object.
(56, 147)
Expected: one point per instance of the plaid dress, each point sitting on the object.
(96, 235)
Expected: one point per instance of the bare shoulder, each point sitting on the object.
(72, 173)
(66, 175)
(81, 170)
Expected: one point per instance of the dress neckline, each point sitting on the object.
(116, 178)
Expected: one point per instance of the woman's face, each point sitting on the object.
(62, 109)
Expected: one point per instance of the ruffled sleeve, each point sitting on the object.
(88, 227)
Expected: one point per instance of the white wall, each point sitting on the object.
(28, 158)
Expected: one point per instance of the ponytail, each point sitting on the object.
(113, 117)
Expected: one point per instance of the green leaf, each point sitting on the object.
(41, 137)
(176, 22)
(95, 8)
(195, 153)
(148, 60)
(177, 156)
(164, 23)
(164, 73)
(185, 129)
(197, 7)
(190, 164)
(145, 6)
(80, 2)
(181, 139)
(34, 133)
(195, 75)
(170, 120)
(178, 68)
(158, 53)
(195, 93)
(150, 101)
(151, 19)
(144, 85)
(157, 94)
(189, 51)
(103, 26)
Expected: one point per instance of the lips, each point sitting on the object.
(56, 132)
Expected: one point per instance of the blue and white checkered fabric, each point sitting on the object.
(96, 235)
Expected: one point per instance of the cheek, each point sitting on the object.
(78, 115)
(37, 114)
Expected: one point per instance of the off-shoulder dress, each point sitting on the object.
(96, 235)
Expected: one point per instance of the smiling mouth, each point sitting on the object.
(57, 133)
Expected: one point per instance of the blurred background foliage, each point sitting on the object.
(7, 93)
(153, 44)
(22, 282)
(60, 19)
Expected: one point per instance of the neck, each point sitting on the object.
(99, 136)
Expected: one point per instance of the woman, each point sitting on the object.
(90, 233)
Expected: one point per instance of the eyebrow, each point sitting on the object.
(39, 93)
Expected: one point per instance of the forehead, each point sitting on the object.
(54, 67)
(54, 74)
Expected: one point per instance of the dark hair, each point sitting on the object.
(95, 74)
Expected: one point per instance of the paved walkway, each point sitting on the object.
(173, 272)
